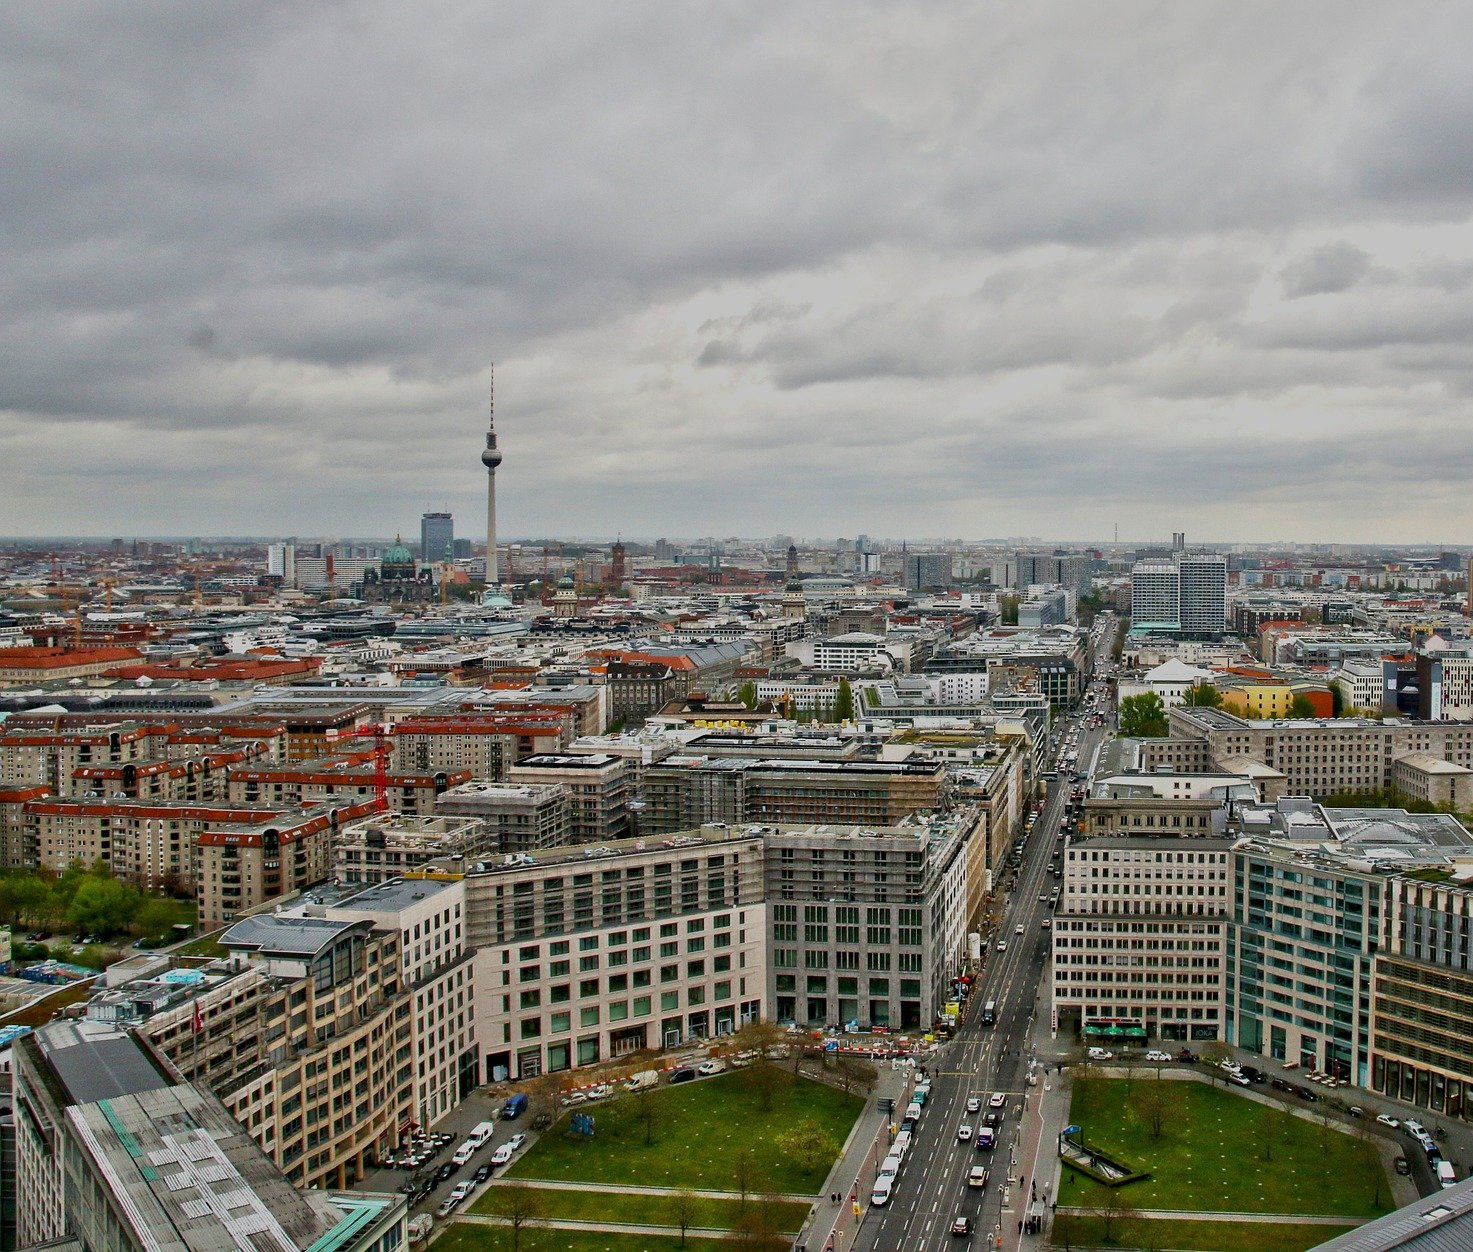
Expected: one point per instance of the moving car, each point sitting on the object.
(1101, 1054)
(964, 1133)
(1002, 945)
(996, 1100)
(977, 1176)
(962, 1225)
(974, 1105)
(1018, 929)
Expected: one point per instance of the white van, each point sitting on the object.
(1445, 1175)
(891, 1164)
(913, 1110)
(481, 1133)
(902, 1143)
(883, 1185)
(464, 1153)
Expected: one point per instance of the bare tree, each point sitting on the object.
(855, 1074)
(643, 1110)
(684, 1208)
(1273, 1126)
(519, 1206)
(1374, 1174)
(744, 1173)
(1152, 1102)
(1214, 1053)
(753, 1231)
(1112, 1211)
(762, 1080)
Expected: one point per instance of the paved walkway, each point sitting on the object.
(1187, 1215)
(623, 1228)
(552, 1184)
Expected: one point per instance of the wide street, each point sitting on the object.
(931, 1190)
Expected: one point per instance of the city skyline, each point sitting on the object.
(906, 269)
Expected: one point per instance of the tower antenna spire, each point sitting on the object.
(491, 458)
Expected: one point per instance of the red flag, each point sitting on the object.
(198, 1024)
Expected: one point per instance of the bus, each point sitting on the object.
(989, 1013)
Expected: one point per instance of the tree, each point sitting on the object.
(1008, 607)
(103, 906)
(1338, 706)
(855, 1074)
(1112, 1211)
(747, 694)
(1143, 717)
(518, 1206)
(1203, 696)
(744, 1172)
(1273, 1125)
(1213, 1054)
(807, 1147)
(644, 1111)
(844, 702)
(753, 1231)
(684, 1208)
(154, 918)
(1152, 1102)
(23, 898)
(1301, 706)
(543, 1095)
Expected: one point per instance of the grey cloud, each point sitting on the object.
(1331, 267)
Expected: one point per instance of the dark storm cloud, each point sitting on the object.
(899, 267)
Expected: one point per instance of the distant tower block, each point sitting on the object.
(491, 458)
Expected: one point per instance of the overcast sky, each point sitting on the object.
(820, 268)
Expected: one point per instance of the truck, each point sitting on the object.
(642, 1081)
(515, 1107)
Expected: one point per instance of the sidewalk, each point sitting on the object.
(834, 1225)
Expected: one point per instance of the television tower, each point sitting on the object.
(491, 458)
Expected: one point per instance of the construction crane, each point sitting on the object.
(380, 734)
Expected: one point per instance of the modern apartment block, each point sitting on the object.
(308, 781)
(866, 926)
(685, 791)
(1140, 936)
(116, 1150)
(598, 789)
(240, 865)
(486, 744)
(513, 816)
(588, 953)
(306, 1034)
(388, 845)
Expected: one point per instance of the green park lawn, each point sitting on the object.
(650, 1210)
(701, 1134)
(1221, 1152)
(1209, 1236)
(469, 1237)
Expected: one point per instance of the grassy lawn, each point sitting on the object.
(651, 1210)
(700, 1132)
(1221, 1152)
(1209, 1236)
(465, 1237)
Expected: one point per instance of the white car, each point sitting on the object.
(1101, 1054)
(1018, 929)
(1158, 1056)
(600, 1092)
(461, 1190)
(1387, 1120)
(1002, 945)
(963, 1133)
(974, 1105)
(1413, 1127)
(507, 1150)
(707, 1068)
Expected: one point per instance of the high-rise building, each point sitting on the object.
(281, 562)
(927, 571)
(1185, 594)
(436, 537)
(491, 458)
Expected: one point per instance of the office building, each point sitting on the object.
(515, 816)
(436, 538)
(927, 571)
(597, 786)
(1184, 595)
(117, 1151)
(389, 845)
(1140, 937)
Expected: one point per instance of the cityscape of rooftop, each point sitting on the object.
(792, 627)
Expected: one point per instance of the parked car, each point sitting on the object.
(1355, 1110)
(482, 1173)
(1101, 1054)
(1158, 1056)
(507, 1150)
(600, 1091)
(447, 1206)
(1387, 1120)
(683, 1074)
(713, 1066)
(1403, 1166)
(444, 1171)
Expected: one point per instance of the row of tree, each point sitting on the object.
(1144, 716)
(840, 709)
(92, 902)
